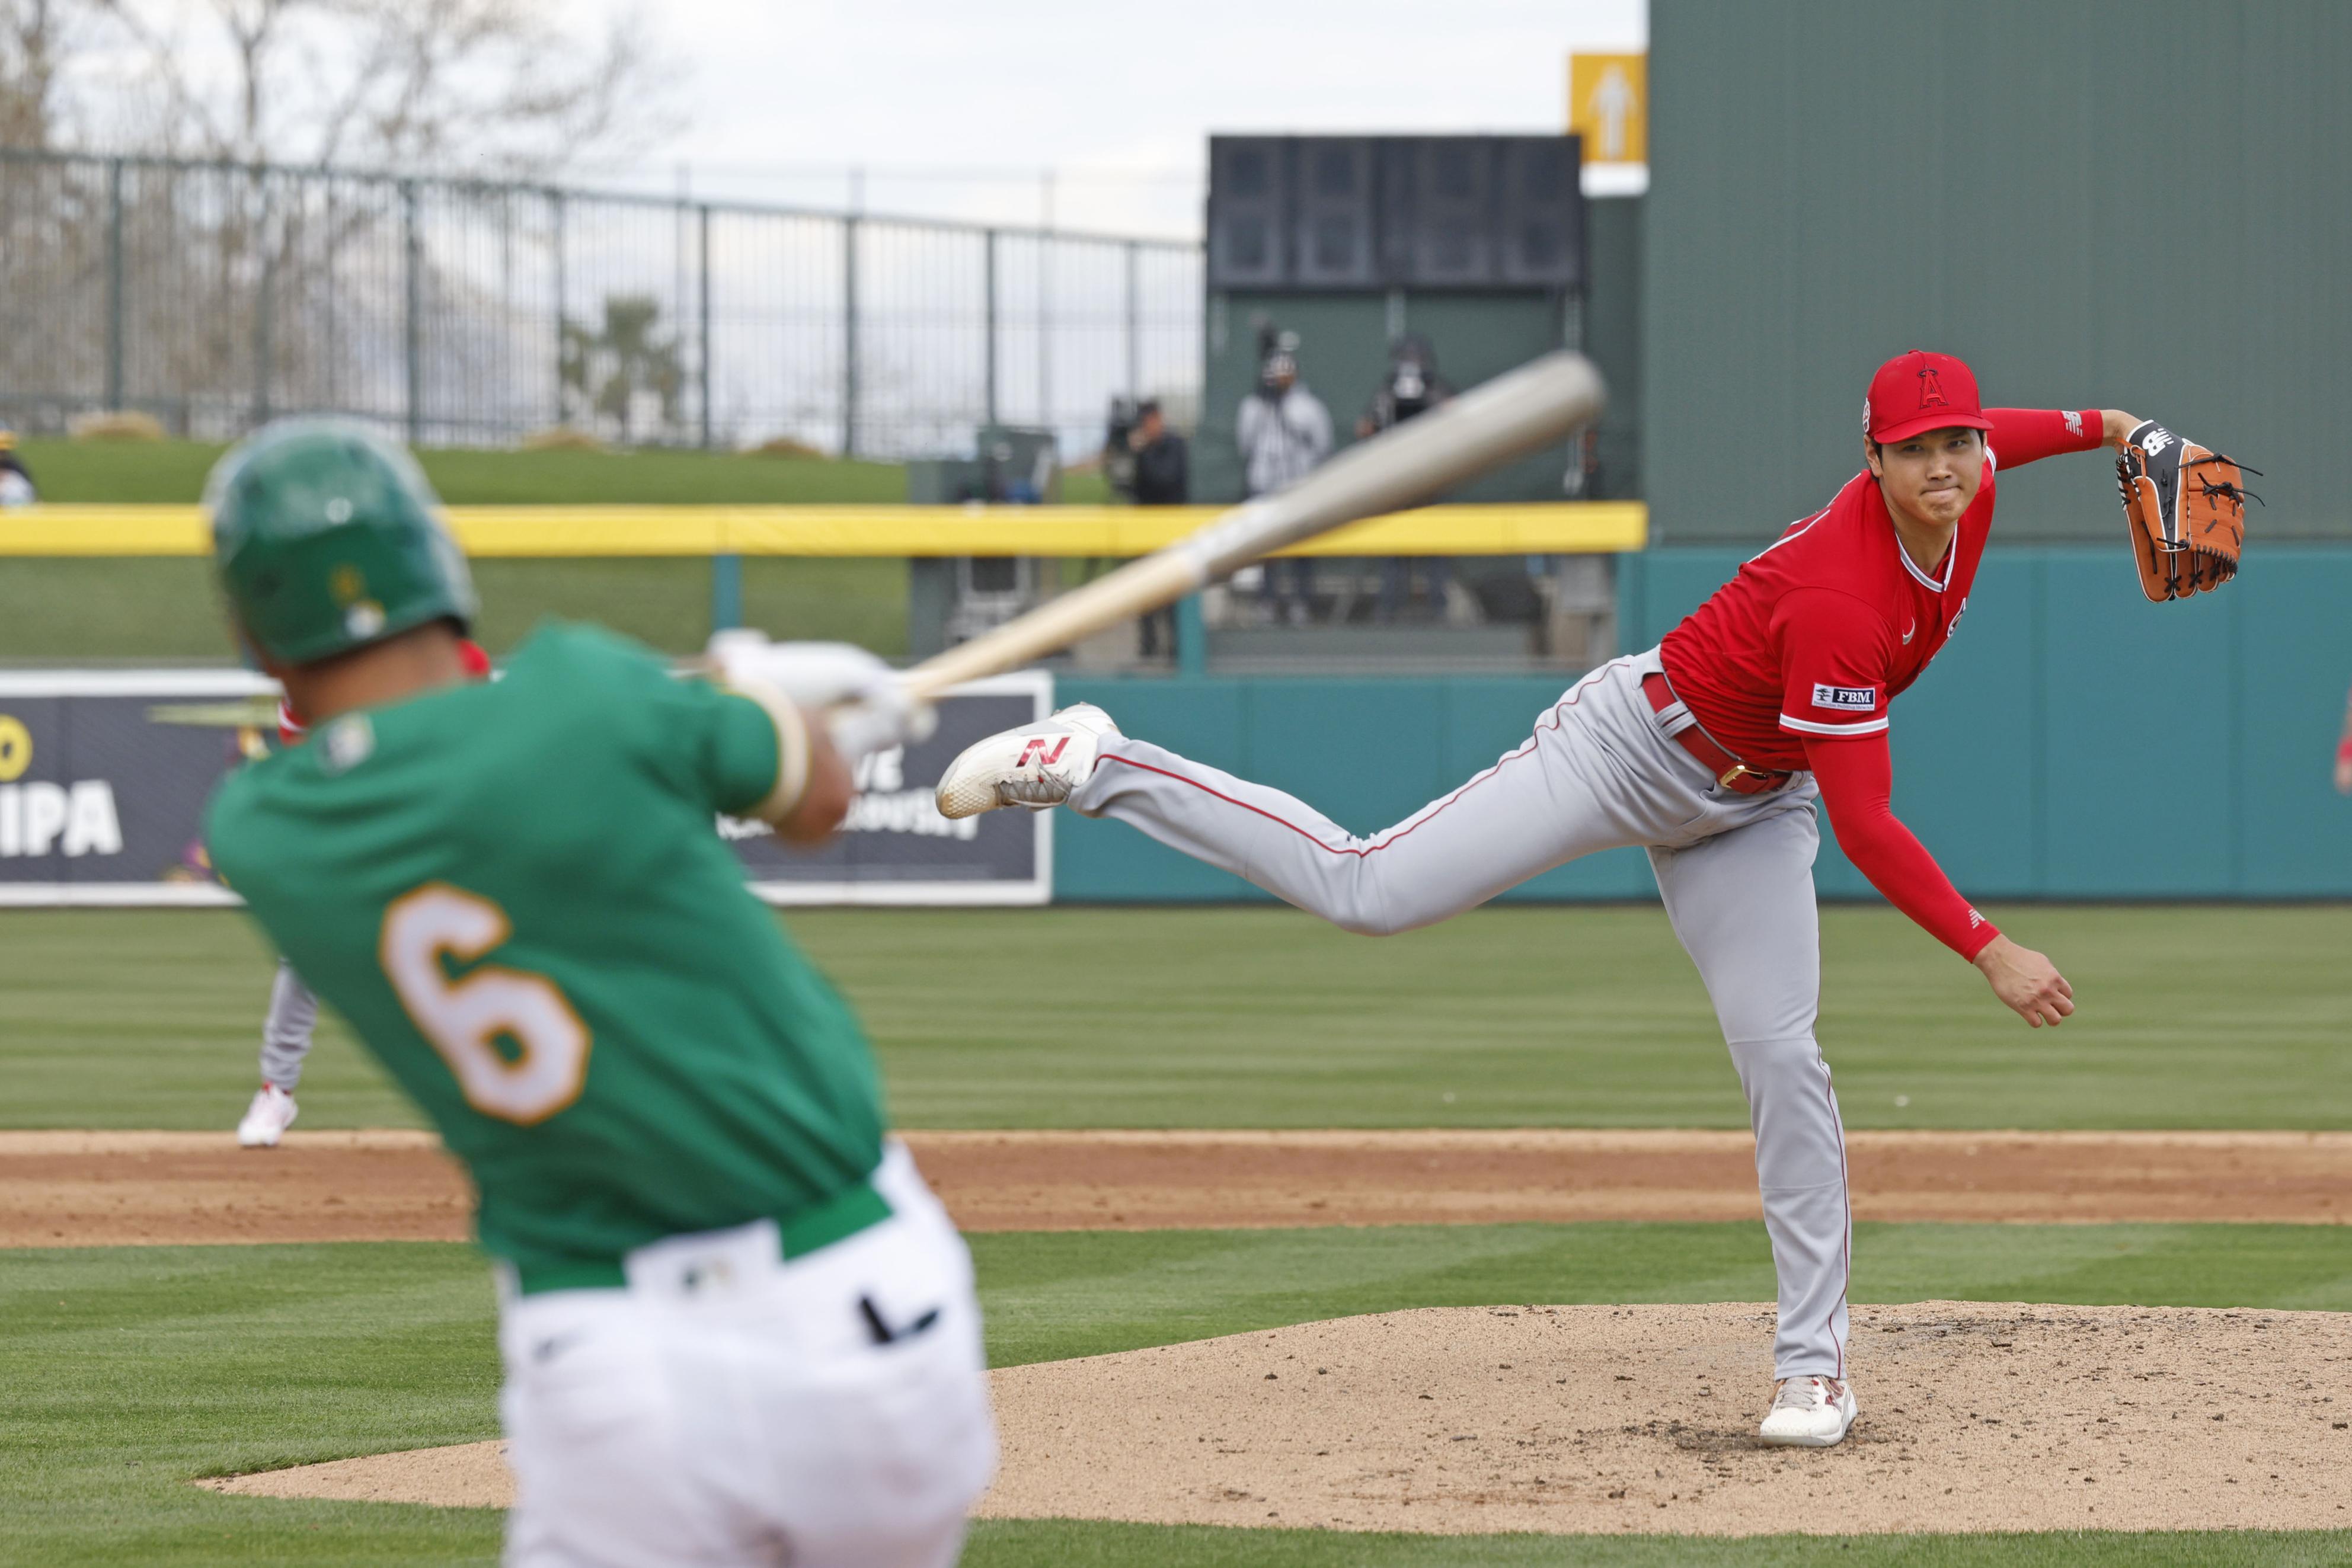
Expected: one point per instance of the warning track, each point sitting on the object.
(116, 1189)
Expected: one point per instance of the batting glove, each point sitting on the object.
(867, 705)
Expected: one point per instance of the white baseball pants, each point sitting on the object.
(286, 1031)
(727, 1409)
(1599, 772)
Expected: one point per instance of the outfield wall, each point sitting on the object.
(2074, 741)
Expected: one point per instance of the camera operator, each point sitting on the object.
(1157, 471)
(1151, 463)
(1284, 432)
(1413, 387)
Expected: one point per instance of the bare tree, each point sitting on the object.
(506, 88)
(33, 41)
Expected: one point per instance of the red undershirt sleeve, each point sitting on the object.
(1857, 782)
(2023, 436)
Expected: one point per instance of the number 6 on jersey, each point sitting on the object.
(466, 1019)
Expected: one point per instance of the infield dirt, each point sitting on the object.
(1597, 1420)
(78, 1188)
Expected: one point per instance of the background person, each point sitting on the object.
(1158, 475)
(1411, 388)
(290, 1026)
(16, 488)
(1163, 472)
(1283, 432)
(2344, 754)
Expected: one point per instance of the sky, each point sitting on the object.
(955, 109)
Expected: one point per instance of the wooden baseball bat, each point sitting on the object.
(1492, 422)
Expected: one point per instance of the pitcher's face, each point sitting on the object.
(1931, 477)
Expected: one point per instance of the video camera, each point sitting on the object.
(1118, 456)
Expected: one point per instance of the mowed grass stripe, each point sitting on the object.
(1263, 1017)
(131, 1369)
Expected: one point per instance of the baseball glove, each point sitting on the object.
(2185, 507)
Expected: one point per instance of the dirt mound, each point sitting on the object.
(1600, 1419)
(93, 1189)
(1595, 1420)
(464, 1475)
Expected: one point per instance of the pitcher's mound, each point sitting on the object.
(1577, 1420)
(1593, 1419)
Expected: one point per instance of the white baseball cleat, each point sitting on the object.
(267, 1119)
(1808, 1413)
(1037, 766)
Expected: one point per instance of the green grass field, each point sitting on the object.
(130, 1370)
(1513, 1017)
(140, 610)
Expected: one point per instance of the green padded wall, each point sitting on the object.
(2137, 203)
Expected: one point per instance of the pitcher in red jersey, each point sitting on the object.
(1709, 751)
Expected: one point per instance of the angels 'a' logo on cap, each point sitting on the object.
(1865, 416)
(1931, 387)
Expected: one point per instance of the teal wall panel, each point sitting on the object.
(2142, 787)
(1966, 738)
(1109, 861)
(2074, 741)
(1363, 754)
(2294, 658)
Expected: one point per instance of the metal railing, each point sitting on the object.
(463, 312)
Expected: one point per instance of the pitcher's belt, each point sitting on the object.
(1730, 771)
(836, 1219)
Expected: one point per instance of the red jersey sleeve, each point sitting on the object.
(1836, 653)
(2023, 436)
(1857, 785)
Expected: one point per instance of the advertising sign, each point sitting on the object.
(104, 776)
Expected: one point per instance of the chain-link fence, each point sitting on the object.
(214, 296)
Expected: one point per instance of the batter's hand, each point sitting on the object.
(864, 703)
(2029, 983)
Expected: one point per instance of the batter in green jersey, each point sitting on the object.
(647, 1053)
(737, 1327)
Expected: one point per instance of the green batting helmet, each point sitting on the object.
(327, 539)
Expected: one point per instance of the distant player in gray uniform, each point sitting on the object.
(292, 1024)
(1709, 751)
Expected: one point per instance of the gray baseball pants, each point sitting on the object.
(1599, 772)
(285, 1032)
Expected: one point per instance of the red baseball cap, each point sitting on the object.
(1920, 391)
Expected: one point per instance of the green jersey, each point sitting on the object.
(516, 893)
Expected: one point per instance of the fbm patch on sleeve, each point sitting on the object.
(1845, 699)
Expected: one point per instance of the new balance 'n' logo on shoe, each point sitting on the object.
(1036, 766)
